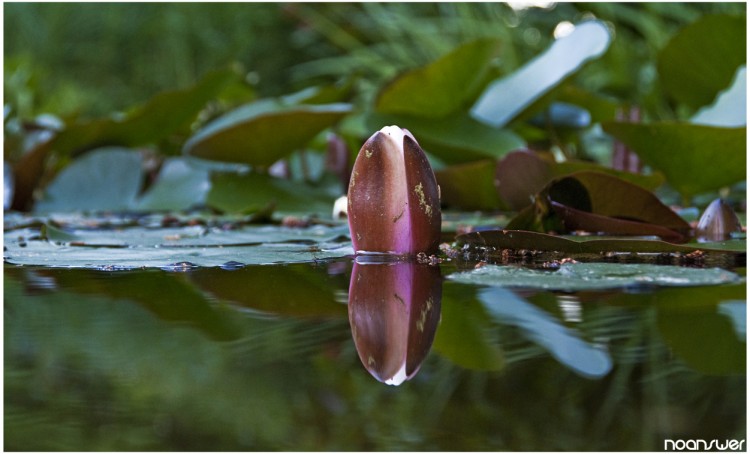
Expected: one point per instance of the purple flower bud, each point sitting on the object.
(718, 222)
(394, 200)
(394, 310)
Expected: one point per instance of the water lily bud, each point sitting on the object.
(394, 200)
(718, 222)
(394, 310)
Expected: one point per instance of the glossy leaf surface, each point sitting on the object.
(441, 87)
(693, 158)
(702, 58)
(262, 132)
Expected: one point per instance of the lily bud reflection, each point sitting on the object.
(394, 310)
(393, 197)
(718, 222)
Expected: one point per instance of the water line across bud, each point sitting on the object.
(393, 197)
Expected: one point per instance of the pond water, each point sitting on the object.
(264, 358)
(170, 334)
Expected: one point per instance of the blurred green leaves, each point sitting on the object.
(262, 132)
(702, 58)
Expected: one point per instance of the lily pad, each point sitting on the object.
(694, 158)
(262, 132)
(702, 58)
(175, 249)
(505, 99)
(179, 186)
(441, 87)
(105, 179)
(572, 277)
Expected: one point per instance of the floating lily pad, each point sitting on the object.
(105, 179)
(573, 277)
(174, 248)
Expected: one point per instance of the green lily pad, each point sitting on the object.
(105, 179)
(262, 132)
(505, 99)
(702, 58)
(572, 277)
(179, 186)
(694, 158)
(441, 87)
(177, 249)
(160, 116)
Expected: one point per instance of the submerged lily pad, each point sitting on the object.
(594, 276)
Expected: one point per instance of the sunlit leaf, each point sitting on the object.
(694, 158)
(504, 99)
(160, 116)
(702, 58)
(572, 277)
(441, 87)
(105, 179)
(251, 192)
(729, 108)
(455, 139)
(262, 132)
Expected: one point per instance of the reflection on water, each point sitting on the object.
(263, 358)
(394, 310)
